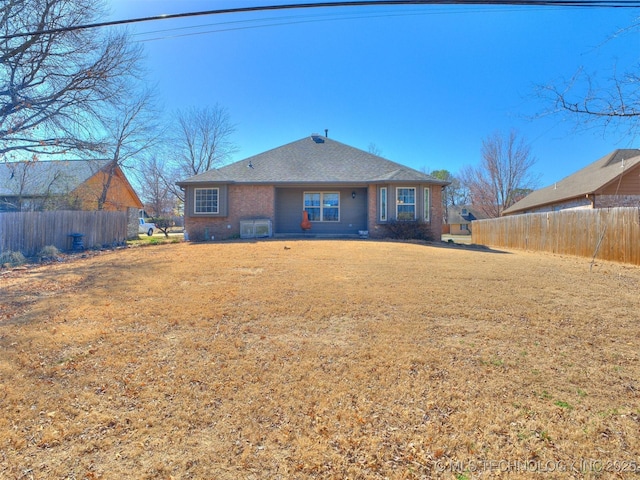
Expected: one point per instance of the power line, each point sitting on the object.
(359, 3)
(220, 27)
(255, 23)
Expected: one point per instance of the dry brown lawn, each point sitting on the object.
(320, 359)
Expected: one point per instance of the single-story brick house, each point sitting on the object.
(343, 190)
(611, 181)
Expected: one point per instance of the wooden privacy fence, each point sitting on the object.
(28, 232)
(607, 234)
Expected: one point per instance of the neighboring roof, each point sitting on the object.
(589, 180)
(55, 177)
(313, 159)
(460, 214)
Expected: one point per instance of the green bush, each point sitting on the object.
(12, 259)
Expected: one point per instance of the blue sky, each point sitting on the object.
(425, 84)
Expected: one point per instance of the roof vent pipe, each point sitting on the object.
(326, 132)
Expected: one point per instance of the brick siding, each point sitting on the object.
(378, 230)
(602, 201)
(245, 202)
(257, 202)
(436, 212)
(610, 201)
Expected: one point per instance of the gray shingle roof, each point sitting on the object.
(586, 181)
(56, 177)
(313, 159)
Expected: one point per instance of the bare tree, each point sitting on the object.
(155, 193)
(204, 136)
(614, 106)
(454, 193)
(159, 200)
(612, 103)
(203, 141)
(374, 149)
(504, 173)
(52, 85)
(129, 131)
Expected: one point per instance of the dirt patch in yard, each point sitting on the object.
(320, 359)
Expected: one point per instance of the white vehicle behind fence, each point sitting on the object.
(145, 227)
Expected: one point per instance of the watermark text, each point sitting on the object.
(539, 466)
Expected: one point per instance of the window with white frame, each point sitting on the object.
(322, 206)
(406, 203)
(383, 204)
(427, 204)
(206, 200)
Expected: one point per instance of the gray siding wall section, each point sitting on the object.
(290, 204)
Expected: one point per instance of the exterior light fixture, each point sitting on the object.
(353, 194)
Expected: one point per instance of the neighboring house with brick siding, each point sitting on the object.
(612, 181)
(343, 190)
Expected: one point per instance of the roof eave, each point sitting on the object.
(510, 210)
(310, 182)
(204, 182)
